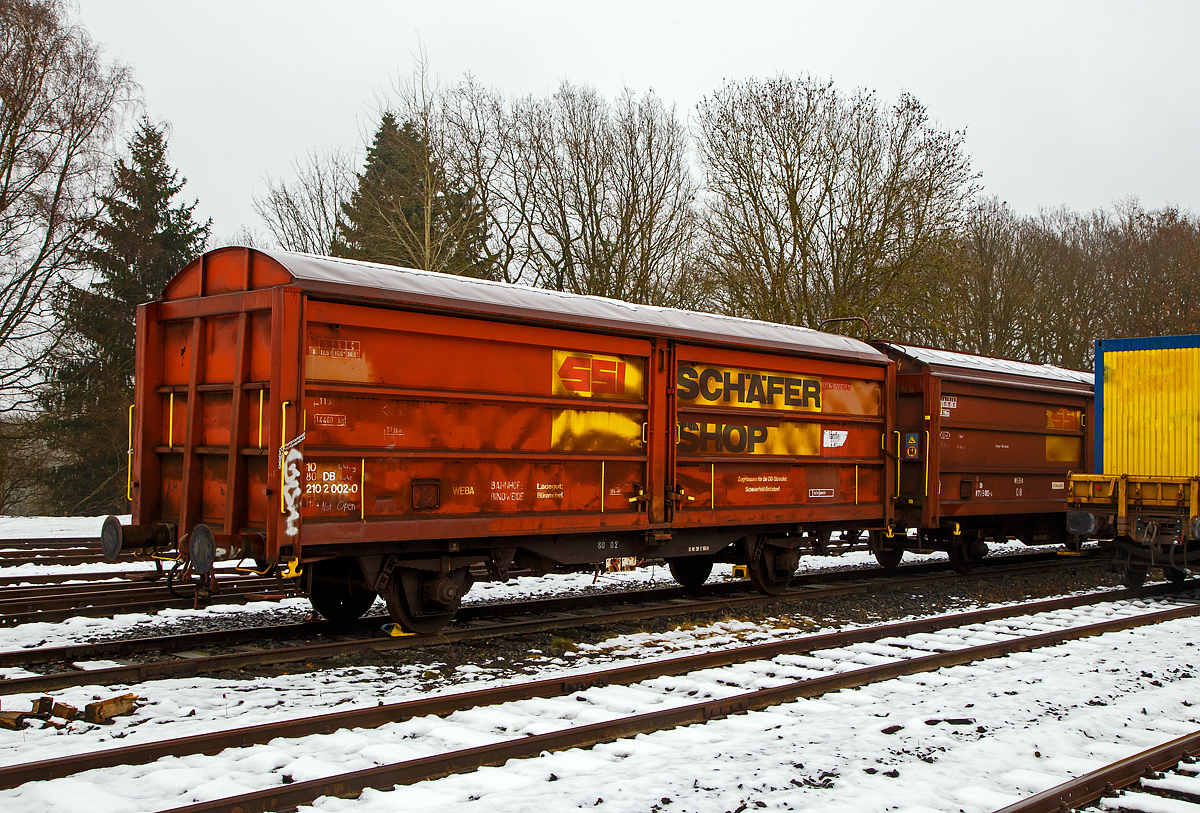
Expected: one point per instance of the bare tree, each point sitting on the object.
(245, 236)
(302, 215)
(567, 192)
(1153, 269)
(60, 106)
(485, 143)
(821, 204)
(22, 459)
(596, 198)
(1072, 290)
(985, 288)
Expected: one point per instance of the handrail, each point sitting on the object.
(866, 324)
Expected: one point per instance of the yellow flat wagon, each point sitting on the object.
(1147, 451)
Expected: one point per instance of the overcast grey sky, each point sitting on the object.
(1064, 103)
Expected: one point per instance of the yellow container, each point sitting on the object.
(1148, 406)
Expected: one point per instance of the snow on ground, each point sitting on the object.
(828, 753)
(14, 528)
(1034, 718)
(45, 527)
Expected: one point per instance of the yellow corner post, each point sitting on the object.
(129, 473)
(282, 444)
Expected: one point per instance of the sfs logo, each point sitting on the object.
(591, 376)
(1063, 418)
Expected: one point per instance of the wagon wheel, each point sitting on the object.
(423, 602)
(958, 558)
(772, 569)
(888, 558)
(964, 553)
(691, 571)
(1175, 575)
(339, 591)
(1131, 574)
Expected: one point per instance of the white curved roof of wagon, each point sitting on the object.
(445, 291)
(967, 367)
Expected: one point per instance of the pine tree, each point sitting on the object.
(137, 244)
(407, 211)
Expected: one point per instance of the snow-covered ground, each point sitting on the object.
(46, 527)
(1035, 718)
(12, 528)
(964, 738)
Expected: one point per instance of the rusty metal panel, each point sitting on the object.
(761, 431)
(1013, 445)
(220, 337)
(176, 354)
(1148, 406)
(214, 489)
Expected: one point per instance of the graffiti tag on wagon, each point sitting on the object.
(748, 388)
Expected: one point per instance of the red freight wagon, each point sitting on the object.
(984, 448)
(381, 430)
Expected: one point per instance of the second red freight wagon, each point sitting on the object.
(378, 430)
(984, 449)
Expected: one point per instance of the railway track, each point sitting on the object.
(1137, 783)
(69, 551)
(793, 665)
(473, 623)
(21, 600)
(56, 603)
(56, 597)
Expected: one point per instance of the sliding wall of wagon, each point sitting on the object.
(774, 438)
(427, 426)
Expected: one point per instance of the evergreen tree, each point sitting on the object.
(408, 211)
(137, 244)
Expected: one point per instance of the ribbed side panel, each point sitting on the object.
(1152, 412)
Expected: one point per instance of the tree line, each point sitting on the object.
(785, 199)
